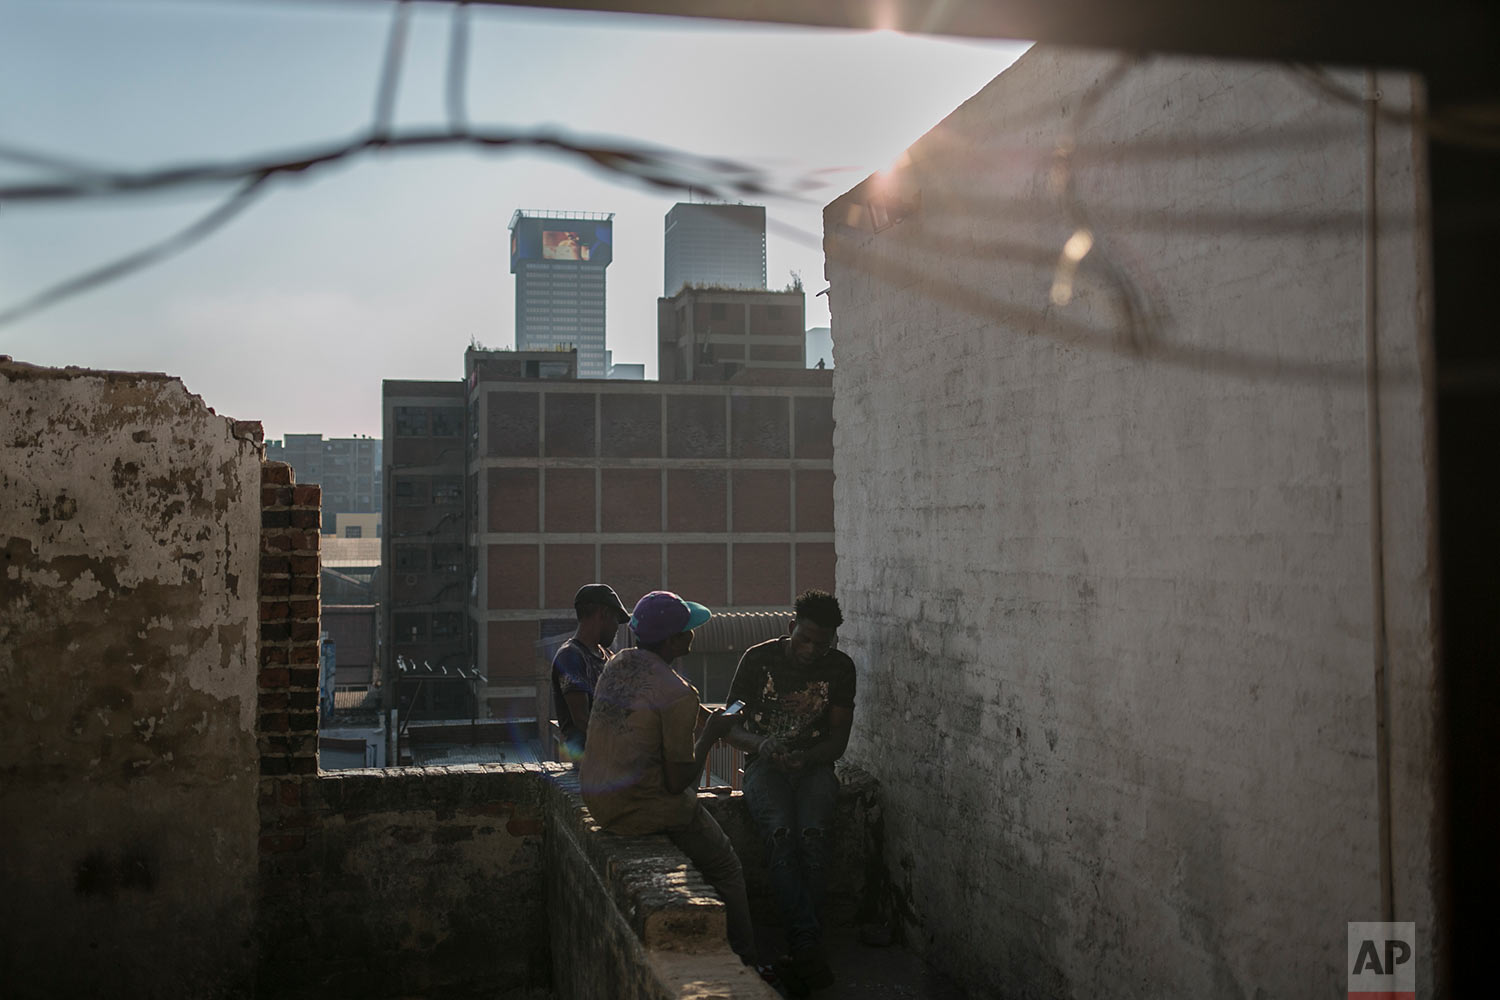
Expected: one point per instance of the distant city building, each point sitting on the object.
(819, 347)
(424, 593)
(559, 260)
(710, 335)
(721, 246)
(348, 470)
(723, 491)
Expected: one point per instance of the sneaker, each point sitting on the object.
(790, 983)
(812, 968)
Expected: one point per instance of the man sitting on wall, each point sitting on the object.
(799, 706)
(580, 660)
(641, 772)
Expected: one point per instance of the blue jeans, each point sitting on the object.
(793, 811)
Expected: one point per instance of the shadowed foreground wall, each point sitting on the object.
(129, 518)
(1107, 560)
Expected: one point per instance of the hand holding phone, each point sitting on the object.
(734, 708)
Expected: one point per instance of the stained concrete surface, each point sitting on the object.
(862, 972)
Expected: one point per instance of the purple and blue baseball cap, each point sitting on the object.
(661, 614)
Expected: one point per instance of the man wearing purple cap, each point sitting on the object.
(641, 772)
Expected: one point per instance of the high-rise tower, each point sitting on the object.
(559, 259)
(716, 246)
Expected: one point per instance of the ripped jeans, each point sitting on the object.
(793, 812)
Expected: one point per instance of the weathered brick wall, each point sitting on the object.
(128, 518)
(404, 882)
(629, 918)
(1109, 581)
(377, 883)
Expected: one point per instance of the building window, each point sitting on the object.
(411, 421)
(354, 531)
(408, 494)
(447, 421)
(448, 559)
(447, 492)
(447, 625)
(411, 558)
(410, 627)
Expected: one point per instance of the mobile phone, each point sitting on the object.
(733, 708)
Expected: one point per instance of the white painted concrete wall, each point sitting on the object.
(1109, 584)
(130, 529)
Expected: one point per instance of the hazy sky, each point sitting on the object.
(387, 267)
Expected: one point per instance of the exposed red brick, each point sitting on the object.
(762, 574)
(307, 496)
(274, 677)
(274, 701)
(568, 568)
(305, 607)
(279, 473)
(275, 611)
(303, 585)
(275, 586)
(570, 499)
(273, 722)
(512, 576)
(305, 653)
(633, 570)
(762, 500)
(275, 542)
(632, 500)
(695, 500)
(271, 656)
(697, 572)
(512, 499)
(275, 632)
(272, 519)
(301, 722)
(275, 565)
(815, 500)
(303, 765)
(275, 496)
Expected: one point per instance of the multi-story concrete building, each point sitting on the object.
(559, 260)
(429, 570)
(720, 491)
(712, 334)
(720, 246)
(348, 470)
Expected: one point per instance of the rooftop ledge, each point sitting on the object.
(494, 880)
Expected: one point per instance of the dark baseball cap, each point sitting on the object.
(601, 594)
(661, 614)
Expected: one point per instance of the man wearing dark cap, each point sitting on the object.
(641, 772)
(579, 661)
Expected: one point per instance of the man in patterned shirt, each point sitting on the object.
(799, 706)
(580, 660)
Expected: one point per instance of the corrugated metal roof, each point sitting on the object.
(350, 552)
(736, 631)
